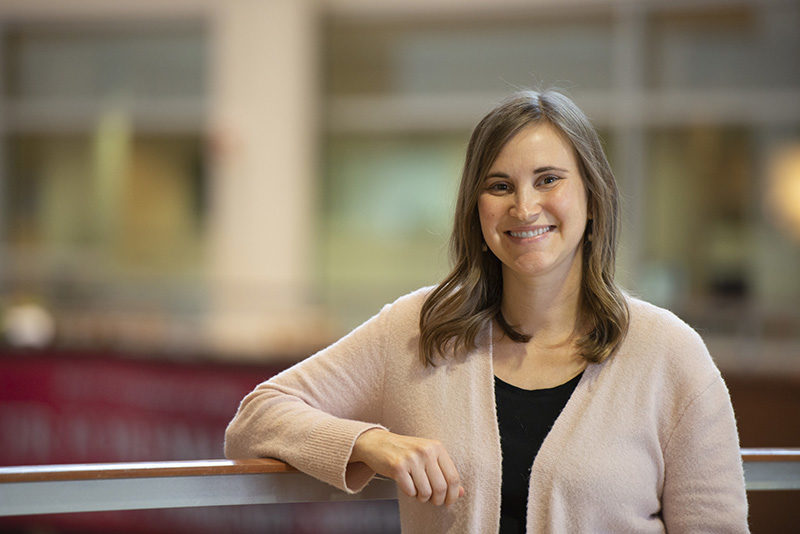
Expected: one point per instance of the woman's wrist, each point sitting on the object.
(364, 443)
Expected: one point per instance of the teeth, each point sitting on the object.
(531, 233)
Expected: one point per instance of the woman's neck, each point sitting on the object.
(546, 307)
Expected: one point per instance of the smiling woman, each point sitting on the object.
(526, 384)
(550, 134)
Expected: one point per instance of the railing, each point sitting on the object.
(146, 485)
(133, 486)
(769, 469)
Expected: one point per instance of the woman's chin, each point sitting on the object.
(538, 266)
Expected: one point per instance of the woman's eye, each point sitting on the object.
(499, 187)
(549, 179)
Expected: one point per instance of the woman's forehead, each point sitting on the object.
(537, 145)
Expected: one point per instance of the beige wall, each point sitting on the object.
(264, 106)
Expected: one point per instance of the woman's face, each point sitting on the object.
(533, 204)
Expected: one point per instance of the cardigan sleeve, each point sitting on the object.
(703, 477)
(311, 414)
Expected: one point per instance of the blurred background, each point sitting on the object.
(195, 194)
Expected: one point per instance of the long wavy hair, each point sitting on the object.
(470, 296)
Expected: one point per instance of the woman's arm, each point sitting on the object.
(703, 478)
(311, 414)
(322, 416)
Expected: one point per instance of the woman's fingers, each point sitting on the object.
(437, 481)
(421, 481)
(450, 473)
(406, 483)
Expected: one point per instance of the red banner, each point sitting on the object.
(87, 408)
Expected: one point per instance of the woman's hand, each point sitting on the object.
(420, 467)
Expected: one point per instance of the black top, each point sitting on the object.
(524, 417)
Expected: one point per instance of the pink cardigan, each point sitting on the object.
(646, 443)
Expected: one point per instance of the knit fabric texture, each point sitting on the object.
(646, 443)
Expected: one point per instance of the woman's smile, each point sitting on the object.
(525, 235)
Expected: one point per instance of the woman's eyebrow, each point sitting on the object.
(549, 168)
(539, 170)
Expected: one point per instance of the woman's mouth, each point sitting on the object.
(531, 233)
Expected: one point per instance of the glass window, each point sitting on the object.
(725, 47)
(471, 56)
(713, 252)
(387, 209)
(67, 63)
(104, 174)
(130, 204)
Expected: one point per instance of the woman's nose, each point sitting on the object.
(526, 205)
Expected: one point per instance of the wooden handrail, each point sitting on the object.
(41, 473)
(771, 455)
(43, 489)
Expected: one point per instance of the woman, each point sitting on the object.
(526, 350)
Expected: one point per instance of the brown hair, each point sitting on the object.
(470, 296)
